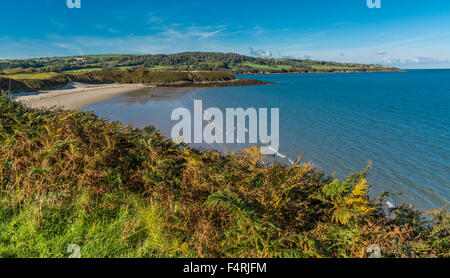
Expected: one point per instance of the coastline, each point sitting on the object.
(86, 163)
(142, 109)
(315, 72)
(77, 95)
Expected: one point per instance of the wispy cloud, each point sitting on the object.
(73, 48)
(210, 34)
(154, 19)
(56, 23)
(109, 29)
(163, 16)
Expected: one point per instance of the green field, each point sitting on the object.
(326, 68)
(83, 70)
(266, 67)
(192, 61)
(33, 76)
(158, 67)
(47, 75)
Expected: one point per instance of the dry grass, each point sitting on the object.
(71, 178)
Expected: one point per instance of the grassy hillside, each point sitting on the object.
(31, 81)
(189, 61)
(72, 178)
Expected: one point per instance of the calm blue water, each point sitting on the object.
(400, 121)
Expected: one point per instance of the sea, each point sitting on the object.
(398, 120)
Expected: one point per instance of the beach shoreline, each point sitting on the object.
(77, 96)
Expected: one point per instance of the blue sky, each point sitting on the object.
(404, 33)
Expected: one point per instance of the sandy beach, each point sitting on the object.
(77, 95)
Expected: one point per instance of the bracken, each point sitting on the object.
(69, 177)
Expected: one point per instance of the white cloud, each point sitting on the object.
(416, 62)
(287, 56)
(210, 34)
(260, 53)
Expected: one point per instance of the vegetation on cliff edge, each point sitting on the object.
(69, 177)
(186, 61)
(159, 78)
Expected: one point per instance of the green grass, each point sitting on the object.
(83, 70)
(129, 227)
(119, 68)
(158, 67)
(266, 67)
(31, 76)
(194, 61)
(326, 68)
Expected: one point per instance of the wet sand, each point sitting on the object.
(155, 94)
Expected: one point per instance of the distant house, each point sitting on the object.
(80, 59)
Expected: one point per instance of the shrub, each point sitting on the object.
(69, 177)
